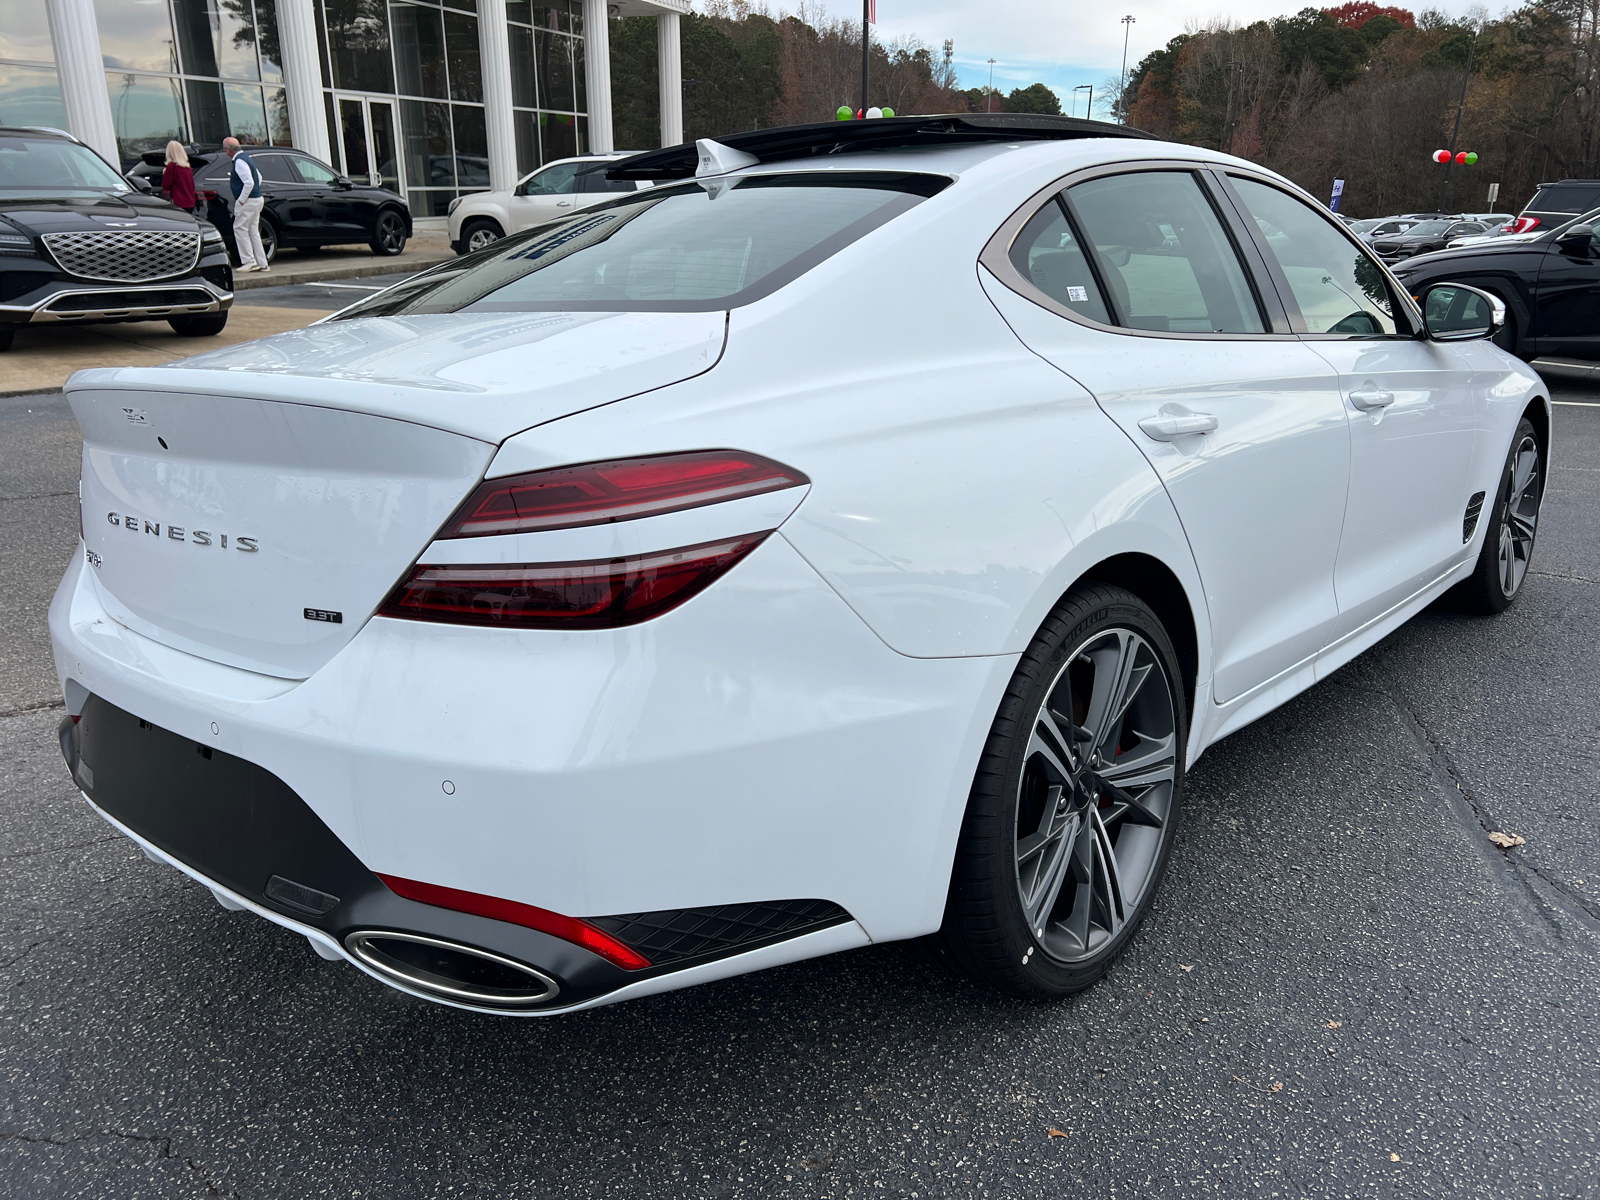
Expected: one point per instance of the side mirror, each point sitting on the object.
(1576, 239)
(1454, 312)
(140, 182)
(342, 182)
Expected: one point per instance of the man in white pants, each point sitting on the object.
(245, 183)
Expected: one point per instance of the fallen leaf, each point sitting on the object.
(1507, 840)
(1185, 966)
(1276, 1086)
(1394, 1158)
(1335, 1024)
(1054, 1132)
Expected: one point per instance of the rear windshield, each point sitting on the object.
(691, 247)
(1565, 198)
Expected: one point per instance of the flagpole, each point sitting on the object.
(866, 46)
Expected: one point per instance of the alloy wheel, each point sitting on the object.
(481, 237)
(1519, 514)
(391, 233)
(1095, 798)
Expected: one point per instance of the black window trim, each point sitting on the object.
(1406, 307)
(996, 255)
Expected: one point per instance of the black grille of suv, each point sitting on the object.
(130, 256)
(123, 301)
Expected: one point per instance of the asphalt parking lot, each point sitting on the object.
(1344, 990)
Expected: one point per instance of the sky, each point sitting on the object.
(1065, 45)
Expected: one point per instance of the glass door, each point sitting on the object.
(368, 141)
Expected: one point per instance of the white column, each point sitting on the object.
(76, 38)
(494, 45)
(597, 70)
(669, 61)
(302, 78)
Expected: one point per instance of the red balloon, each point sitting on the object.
(1462, 158)
(1441, 156)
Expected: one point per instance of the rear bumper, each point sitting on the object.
(758, 745)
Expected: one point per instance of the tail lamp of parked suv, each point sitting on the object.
(603, 593)
(1523, 225)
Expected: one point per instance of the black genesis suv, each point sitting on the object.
(308, 204)
(80, 244)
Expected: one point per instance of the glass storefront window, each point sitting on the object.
(208, 114)
(553, 55)
(527, 128)
(267, 39)
(217, 39)
(472, 147)
(247, 117)
(559, 134)
(358, 44)
(31, 96)
(425, 133)
(145, 111)
(278, 118)
(466, 69)
(136, 35)
(25, 34)
(419, 50)
(522, 89)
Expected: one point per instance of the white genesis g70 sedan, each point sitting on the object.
(853, 536)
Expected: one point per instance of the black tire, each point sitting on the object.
(389, 234)
(1512, 517)
(478, 233)
(986, 933)
(207, 325)
(7, 333)
(269, 237)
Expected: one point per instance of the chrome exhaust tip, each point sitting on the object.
(450, 970)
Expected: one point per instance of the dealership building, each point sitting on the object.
(432, 98)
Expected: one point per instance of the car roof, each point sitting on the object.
(794, 144)
(46, 130)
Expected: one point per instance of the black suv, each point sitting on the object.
(79, 244)
(308, 204)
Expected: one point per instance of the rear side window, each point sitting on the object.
(1337, 287)
(1163, 252)
(1565, 198)
(1048, 256)
(691, 247)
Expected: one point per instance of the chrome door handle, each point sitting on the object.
(1368, 401)
(1164, 429)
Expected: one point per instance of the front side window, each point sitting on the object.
(313, 172)
(689, 247)
(1164, 254)
(1338, 288)
(553, 181)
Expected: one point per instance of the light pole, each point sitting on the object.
(1122, 86)
(988, 98)
(1088, 113)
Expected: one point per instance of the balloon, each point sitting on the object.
(874, 113)
(1472, 158)
(1441, 156)
(844, 113)
(1462, 158)
(888, 112)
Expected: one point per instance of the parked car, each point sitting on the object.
(1557, 203)
(554, 190)
(308, 204)
(1549, 281)
(1421, 238)
(853, 538)
(1380, 227)
(80, 244)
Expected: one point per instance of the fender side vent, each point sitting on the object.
(1469, 520)
(675, 935)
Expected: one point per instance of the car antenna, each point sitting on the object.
(717, 159)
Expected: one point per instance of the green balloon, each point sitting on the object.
(845, 112)
(1471, 158)
(888, 112)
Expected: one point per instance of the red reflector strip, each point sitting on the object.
(568, 929)
(597, 594)
(623, 490)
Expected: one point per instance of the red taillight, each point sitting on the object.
(595, 493)
(1524, 225)
(568, 929)
(599, 594)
